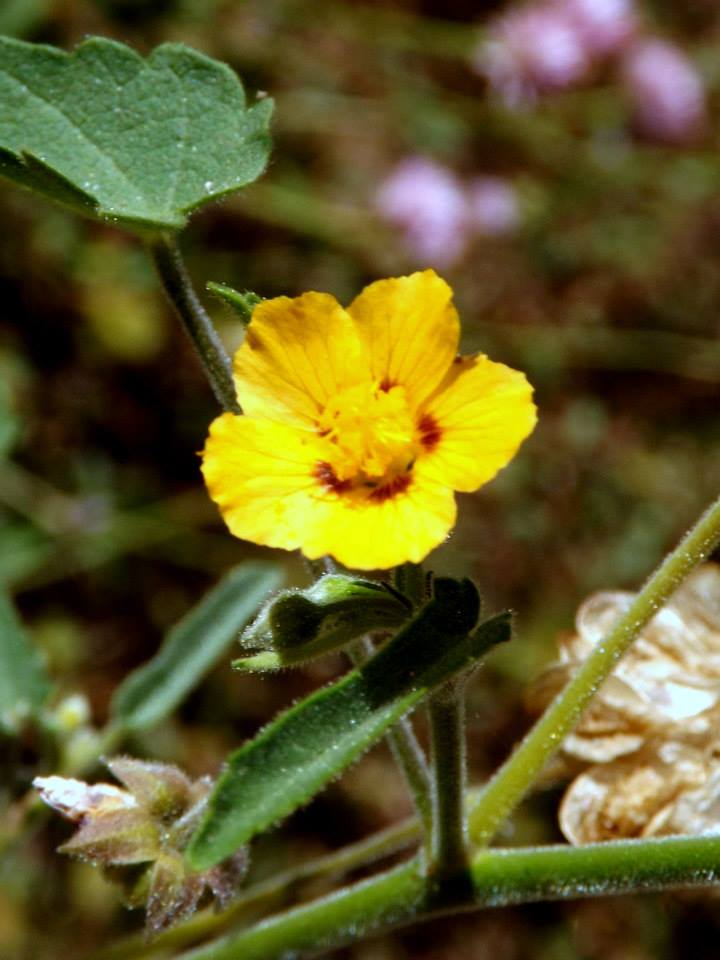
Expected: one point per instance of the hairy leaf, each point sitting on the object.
(192, 647)
(303, 749)
(112, 135)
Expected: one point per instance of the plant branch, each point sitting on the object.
(496, 878)
(180, 292)
(273, 892)
(512, 781)
(448, 845)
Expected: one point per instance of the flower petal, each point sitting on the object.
(474, 423)
(411, 331)
(296, 355)
(260, 474)
(368, 534)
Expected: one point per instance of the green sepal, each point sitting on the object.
(298, 626)
(242, 303)
(306, 747)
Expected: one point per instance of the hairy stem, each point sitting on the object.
(496, 878)
(448, 845)
(512, 781)
(180, 292)
(274, 892)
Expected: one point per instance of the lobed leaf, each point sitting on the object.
(304, 748)
(24, 684)
(192, 647)
(139, 141)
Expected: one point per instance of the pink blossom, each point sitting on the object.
(604, 26)
(493, 208)
(666, 91)
(532, 50)
(427, 201)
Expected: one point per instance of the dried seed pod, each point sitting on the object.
(651, 730)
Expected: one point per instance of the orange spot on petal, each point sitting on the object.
(389, 490)
(430, 432)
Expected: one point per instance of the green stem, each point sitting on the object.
(274, 892)
(198, 325)
(408, 753)
(496, 878)
(448, 845)
(512, 781)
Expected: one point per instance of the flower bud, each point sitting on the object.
(331, 613)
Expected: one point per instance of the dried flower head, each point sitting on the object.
(144, 827)
(651, 731)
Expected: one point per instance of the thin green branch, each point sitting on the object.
(512, 781)
(180, 292)
(448, 845)
(496, 878)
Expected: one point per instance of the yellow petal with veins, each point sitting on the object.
(297, 355)
(411, 331)
(474, 423)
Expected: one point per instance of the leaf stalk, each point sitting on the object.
(179, 289)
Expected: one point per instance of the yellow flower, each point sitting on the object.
(360, 423)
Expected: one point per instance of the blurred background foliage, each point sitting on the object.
(565, 181)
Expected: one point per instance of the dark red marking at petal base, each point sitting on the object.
(390, 490)
(430, 432)
(329, 479)
(386, 385)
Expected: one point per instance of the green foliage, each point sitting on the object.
(304, 748)
(24, 684)
(192, 647)
(139, 141)
(297, 626)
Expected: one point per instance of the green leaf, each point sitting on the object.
(192, 647)
(24, 684)
(9, 423)
(138, 141)
(310, 744)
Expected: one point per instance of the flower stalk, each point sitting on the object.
(448, 844)
(179, 290)
(510, 784)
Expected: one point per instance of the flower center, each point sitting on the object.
(373, 431)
